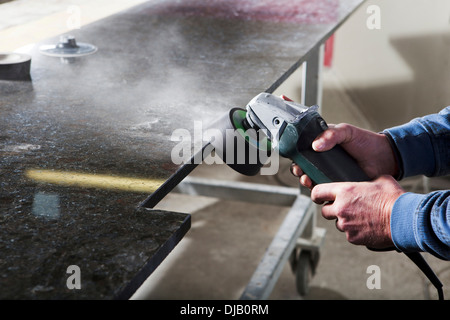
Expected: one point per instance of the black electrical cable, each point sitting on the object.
(417, 258)
(421, 263)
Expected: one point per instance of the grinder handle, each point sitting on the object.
(334, 165)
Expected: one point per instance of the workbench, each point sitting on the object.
(86, 143)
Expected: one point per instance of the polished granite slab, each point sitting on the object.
(87, 139)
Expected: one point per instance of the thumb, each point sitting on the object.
(335, 134)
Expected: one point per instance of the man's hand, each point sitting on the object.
(361, 209)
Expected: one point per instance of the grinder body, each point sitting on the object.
(290, 128)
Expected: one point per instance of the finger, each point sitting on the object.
(338, 134)
(328, 212)
(296, 170)
(325, 192)
(339, 226)
(306, 181)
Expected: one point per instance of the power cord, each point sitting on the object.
(420, 262)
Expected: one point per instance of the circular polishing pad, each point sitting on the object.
(242, 148)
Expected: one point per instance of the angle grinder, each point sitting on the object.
(270, 123)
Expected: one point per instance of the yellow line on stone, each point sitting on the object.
(86, 180)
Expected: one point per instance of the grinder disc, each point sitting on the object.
(242, 148)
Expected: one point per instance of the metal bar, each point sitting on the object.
(311, 82)
(239, 191)
(277, 254)
(315, 242)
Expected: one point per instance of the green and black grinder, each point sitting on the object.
(273, 123)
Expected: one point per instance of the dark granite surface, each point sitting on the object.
(84, 142)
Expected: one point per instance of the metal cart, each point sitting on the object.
(297, 241)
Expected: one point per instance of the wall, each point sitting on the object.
(401, 70)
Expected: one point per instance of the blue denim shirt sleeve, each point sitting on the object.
(424, 145)
(421, 222)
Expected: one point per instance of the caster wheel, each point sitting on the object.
(305, 268)
(303, 273)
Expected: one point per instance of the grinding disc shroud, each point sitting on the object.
(244, 149)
